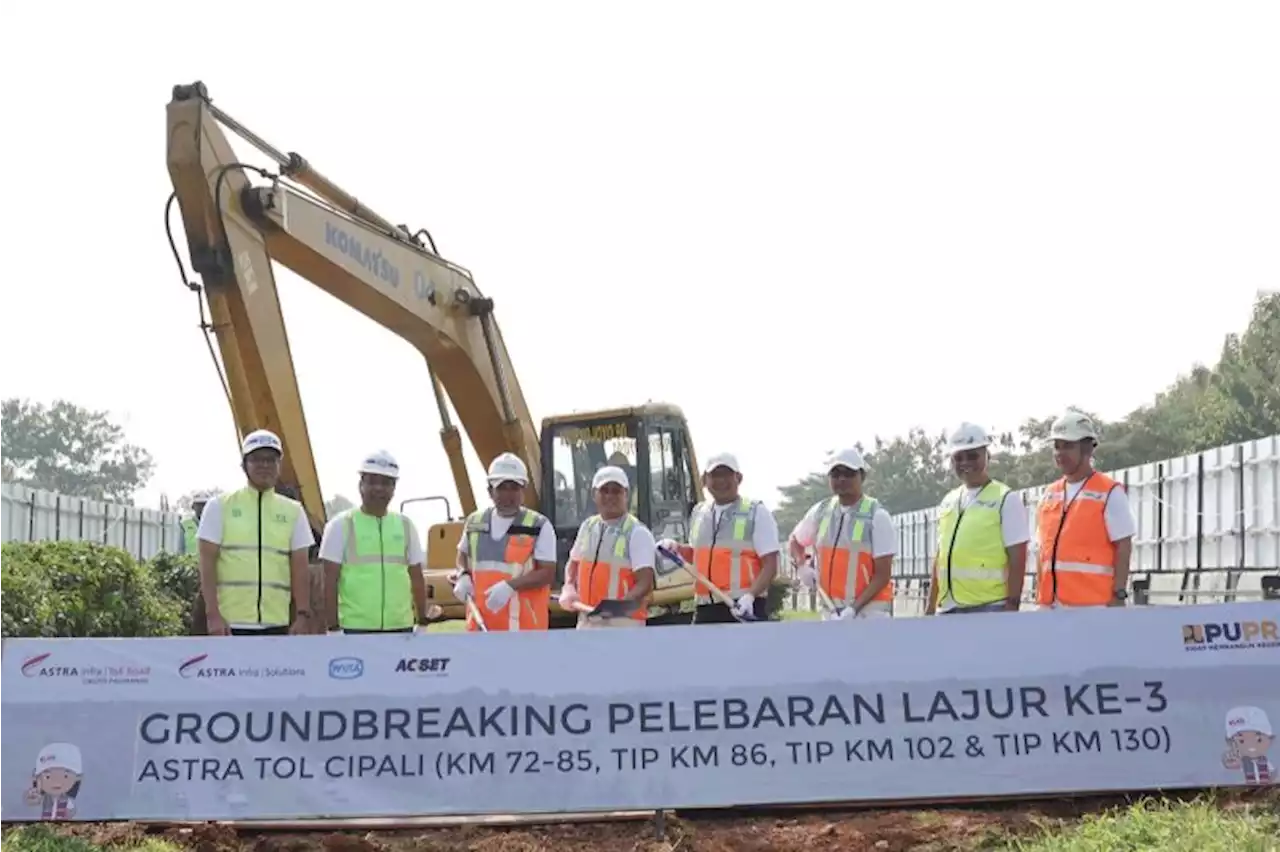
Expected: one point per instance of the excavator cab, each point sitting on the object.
(651, 443)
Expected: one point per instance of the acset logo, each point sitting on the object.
(433, 666)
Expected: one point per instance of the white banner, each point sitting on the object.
(319, 726)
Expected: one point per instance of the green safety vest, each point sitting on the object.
(972, 560)
(189, 528)
(253, 561)
(374, 592)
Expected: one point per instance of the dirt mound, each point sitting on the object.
(878, 830)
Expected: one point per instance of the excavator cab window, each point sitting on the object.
(577, 450)
(652, 449)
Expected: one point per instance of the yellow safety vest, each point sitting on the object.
(189, 530)
(972, 560)
(375, 591)
(253, 561)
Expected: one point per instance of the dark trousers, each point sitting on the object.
(266, 631)
(718, 613)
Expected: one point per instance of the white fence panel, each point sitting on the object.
(32, 515)
(1208, 526)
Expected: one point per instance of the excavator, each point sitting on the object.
(239, 217)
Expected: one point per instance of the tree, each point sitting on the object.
(335, 504)
(1236, 400)
(73, 450)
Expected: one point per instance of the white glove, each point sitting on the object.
(745, 605)
(808, 577)
(464, 588)
(498, 595)
(846, 614)
(568, 596)
(670, 544)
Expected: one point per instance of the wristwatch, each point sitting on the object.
(1119, 594)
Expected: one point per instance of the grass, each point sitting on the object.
(43, 838)
(799, 615)
(1200, 825)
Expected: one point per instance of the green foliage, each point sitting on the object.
(71, 450)
(178, 577)
(82, 589)
(1237, 400)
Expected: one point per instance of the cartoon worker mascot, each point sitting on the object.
(55, 783)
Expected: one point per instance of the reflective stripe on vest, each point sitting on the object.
(1077, 557)
(374, 591)
(972, 560)
(495, 561)
(253, 559)
(605, 573)
(725, 553)
(845, 563)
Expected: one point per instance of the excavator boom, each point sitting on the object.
(236, 226)
(235, 229)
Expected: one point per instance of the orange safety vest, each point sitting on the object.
(605, 571)
(724, 553)
(1077, 557)
(509, 557)
(845, 564)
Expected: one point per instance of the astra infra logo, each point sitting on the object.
(34, 667)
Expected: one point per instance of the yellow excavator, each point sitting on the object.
(294, 215)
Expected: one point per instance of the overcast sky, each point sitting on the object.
(805, 225)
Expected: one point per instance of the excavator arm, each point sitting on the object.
(296, 216)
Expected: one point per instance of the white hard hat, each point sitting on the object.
(610, 473)
(258, 439)
(508, 467)
(61, 756)
(967, 436)
(380, 463)
(848, 457)
(1247, 719)
(1073, 426)
(728, 460)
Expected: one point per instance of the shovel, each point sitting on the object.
(715, 592)
(475, 614)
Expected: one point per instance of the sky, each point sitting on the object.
(806, 224)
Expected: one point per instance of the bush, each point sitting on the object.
(178, 577)
(82, 589)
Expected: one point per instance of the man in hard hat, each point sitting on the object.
(733, 543)
(854, 540)
(981, 559)
(1085, 525)
(612, 557)
(373, 559)
(253, 551)
(190, 525)
(507, 555)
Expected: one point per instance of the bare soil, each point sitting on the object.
(879, 830)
